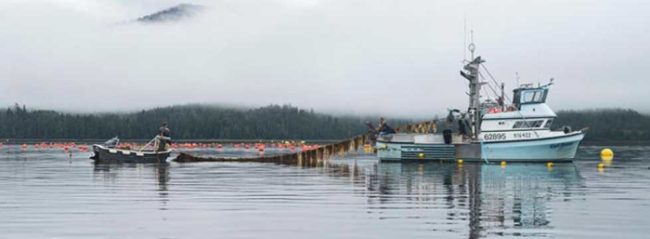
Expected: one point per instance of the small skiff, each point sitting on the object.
(105, 154)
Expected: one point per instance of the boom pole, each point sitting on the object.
(471, 73)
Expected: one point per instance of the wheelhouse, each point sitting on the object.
(528, 111)
(525, 95)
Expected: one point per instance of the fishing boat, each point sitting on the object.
(108, 152)
(490, 130)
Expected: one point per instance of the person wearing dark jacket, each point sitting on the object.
(164, 137)
(384, 128)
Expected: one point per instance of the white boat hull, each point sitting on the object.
(561, 148)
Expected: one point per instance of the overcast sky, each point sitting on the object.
(391, 57)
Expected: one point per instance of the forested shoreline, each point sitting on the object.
(622, 125)
(269, 122)
(186, 122)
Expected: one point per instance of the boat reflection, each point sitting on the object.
(475, 199)
(111, 172)
(492, 199)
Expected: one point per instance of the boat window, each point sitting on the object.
(533, 96)
(528, 124)
(516, 98)
(518, 124)
(548, 124)
(528, 96)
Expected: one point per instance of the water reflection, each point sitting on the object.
(110, 171)
(161, 172)
(472, 199)
(489, 198)
(47, 195)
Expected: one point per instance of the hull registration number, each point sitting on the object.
(495, 136)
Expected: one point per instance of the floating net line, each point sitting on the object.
(324, 152)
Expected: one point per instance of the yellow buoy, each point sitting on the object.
(606, 154)
(549, 164)
(421, 155)
(601, 168)
(503, 164)
(459, 161)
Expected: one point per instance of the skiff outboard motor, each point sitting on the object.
(567, 129)
(112, 143)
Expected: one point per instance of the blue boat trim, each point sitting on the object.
(510, 130)
(536, 139)
(411, 143)
(523, 118)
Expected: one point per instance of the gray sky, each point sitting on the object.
(397, 58)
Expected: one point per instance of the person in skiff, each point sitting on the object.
(164, 137)
(383, 128)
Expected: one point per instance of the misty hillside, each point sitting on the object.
(608, 124)
(270, 122)
(176, 13)
(186, 122)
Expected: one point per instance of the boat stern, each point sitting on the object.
(414, 147)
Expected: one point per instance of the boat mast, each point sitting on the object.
(472, 75)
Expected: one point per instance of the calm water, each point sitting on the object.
(51, 195)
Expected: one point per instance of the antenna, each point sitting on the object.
(464, 38)
(471, 46)
(517, 78)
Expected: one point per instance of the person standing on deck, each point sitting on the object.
(383, 127)
(164, 137)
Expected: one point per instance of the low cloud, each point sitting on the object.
(389, 57)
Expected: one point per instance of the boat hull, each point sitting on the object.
(556, 149)
(109, 155)
(551, 149)
(397, 152)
